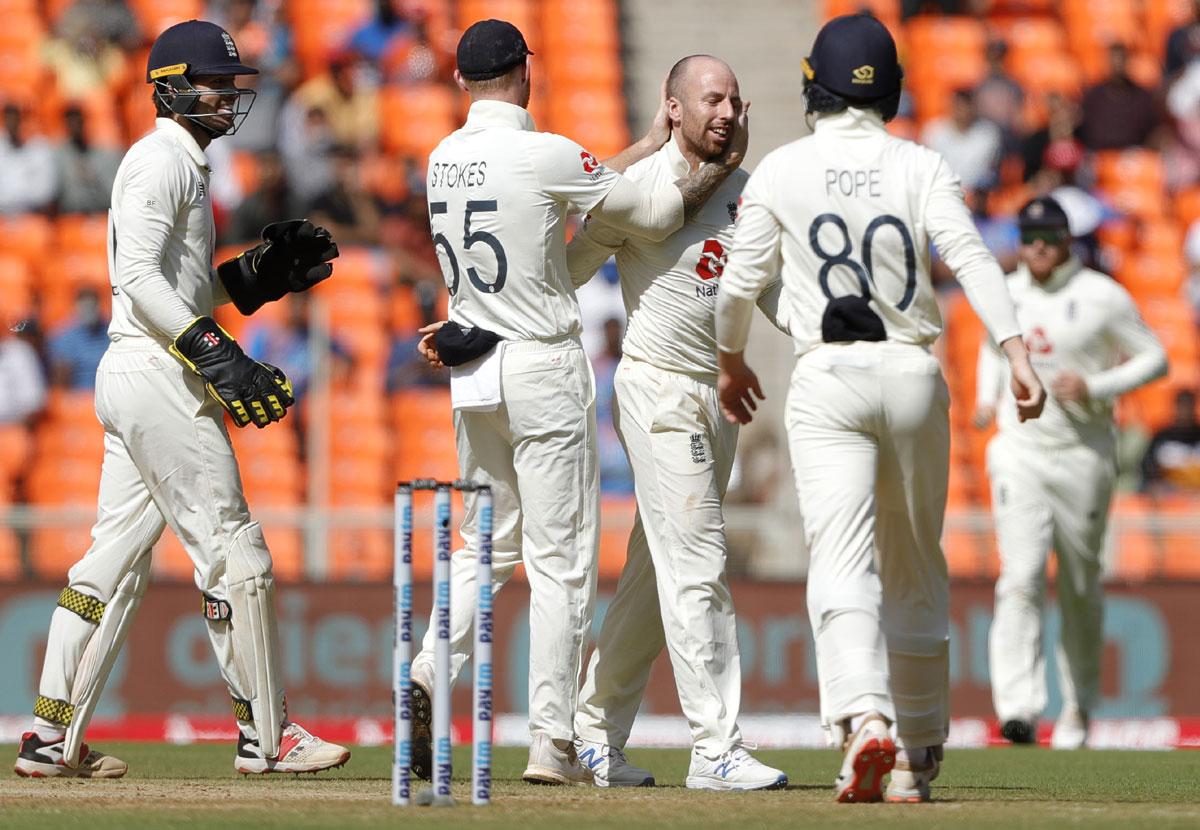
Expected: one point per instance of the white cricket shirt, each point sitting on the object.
(498, 194)
(851, 209)
(669, 287)
(161, 236)
(1079, 321)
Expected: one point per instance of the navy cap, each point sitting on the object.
(854, 56)
(1043, 214)
(195, 47)
(490, 48)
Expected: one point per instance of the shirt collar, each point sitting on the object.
(498, 114)
(677, 165)
(1059, 277)
(848, 120)
(178, 132)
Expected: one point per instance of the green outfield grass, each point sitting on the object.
(195, 787)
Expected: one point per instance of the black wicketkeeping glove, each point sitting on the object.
(294, 256)
(251, 392)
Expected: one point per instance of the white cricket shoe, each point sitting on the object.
(550, 763)
(1070, 731)
(299, 751)
(870, 755)
(736, 769)
(911, 779)
(610, 767)
(44, 759)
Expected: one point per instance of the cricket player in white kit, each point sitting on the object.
(846, 215)
(523, 390)
(1052, 479)
(673, 589)
(162, 389)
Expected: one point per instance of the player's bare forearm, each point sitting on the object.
(697, 186)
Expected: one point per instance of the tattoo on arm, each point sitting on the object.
(698, 186)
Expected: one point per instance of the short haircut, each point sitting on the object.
(496, 84)
(679, 72)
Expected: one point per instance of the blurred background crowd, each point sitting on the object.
(1094, 101)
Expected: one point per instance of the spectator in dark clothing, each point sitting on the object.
(85, 172)
(1172, 461)
(347, 209)
(75, 349)
(1183, 44)
(272, 200)
(999, 98)
(1117, 113)
(1061, 130)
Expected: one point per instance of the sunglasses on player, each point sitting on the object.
(1050, 237)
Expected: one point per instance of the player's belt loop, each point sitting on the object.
(216, 609)
(88, 608)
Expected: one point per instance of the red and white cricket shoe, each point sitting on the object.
(299, 751)
(870, 755)
(44, 759)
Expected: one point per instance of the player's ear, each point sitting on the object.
(674, 111)
(461, 81)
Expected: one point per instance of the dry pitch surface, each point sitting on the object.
(195, 786)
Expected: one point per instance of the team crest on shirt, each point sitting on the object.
(712, 260)
(699, 455)
(732, 207)
(202, 189)
(591, 165)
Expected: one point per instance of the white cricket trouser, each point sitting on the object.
(1043, 499)
(167, 460)
(681, 449)
(869, 432)
(538, 453)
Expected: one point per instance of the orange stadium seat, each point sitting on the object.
(1160, 238)
(158, 15)
(52, 551)
(1138, 199)
(1187, 206)
(362, 554)
(16, 448)
(1162, 16)
(321, 28)
(521, 13)
(26, 235)
(586, 25)
(1153, 274)
(414, 119)
(1029, 35)
(1132, 166)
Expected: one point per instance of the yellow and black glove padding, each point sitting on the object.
(294, 256)
(252, 392)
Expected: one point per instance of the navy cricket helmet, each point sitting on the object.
(194, 49)
(853, 64)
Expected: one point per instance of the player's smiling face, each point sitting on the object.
(707, 108)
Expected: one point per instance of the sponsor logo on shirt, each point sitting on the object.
(732, 207)
(1037, 342)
